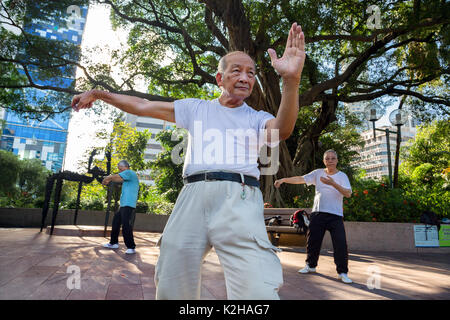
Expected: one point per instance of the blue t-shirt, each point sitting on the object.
(130, 189)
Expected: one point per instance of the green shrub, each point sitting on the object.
(161, 207)
(141, 207)
(375, 201)
(94, 204)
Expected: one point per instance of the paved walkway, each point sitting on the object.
(35, 265)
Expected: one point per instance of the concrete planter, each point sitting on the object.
(31, 218)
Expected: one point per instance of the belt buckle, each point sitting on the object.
(206, 177)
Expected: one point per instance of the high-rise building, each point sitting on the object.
(373, 157)
(154, 126)
(45, 140)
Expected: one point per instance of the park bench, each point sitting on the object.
(278, 222)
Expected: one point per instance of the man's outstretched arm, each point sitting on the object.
(290, 67)
(290, 180)
(130, 104)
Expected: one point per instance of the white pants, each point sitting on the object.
(213, 214)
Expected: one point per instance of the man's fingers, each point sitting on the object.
(298, 37)
(302, 41)
(295, 37)
(75, 101)
(272, 54)
(291, 36)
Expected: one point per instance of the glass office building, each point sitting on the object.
(46, 140)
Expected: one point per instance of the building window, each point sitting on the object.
(154, 146)
(149, 156)
(149, 125)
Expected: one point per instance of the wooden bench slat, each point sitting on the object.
(282, 229)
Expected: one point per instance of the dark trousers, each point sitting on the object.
(321, 222)
(125, 217)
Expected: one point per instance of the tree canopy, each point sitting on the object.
(357, 51)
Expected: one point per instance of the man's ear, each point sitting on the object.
(219, 79)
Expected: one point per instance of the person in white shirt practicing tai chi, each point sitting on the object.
(332, 186)
(221, 205)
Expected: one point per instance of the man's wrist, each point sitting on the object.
(97, 94)
(290, 81)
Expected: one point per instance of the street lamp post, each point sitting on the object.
(397, 118)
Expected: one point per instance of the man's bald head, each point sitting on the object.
(223, 61)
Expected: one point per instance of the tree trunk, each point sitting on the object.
(266, 96)
(308, 143)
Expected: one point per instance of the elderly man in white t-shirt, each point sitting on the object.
(332, 186)
(221, 205)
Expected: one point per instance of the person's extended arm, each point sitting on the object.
(290, 67)
(291, 180)
(130, 104)
(345, 192)
(113, 178)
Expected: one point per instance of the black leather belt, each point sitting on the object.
(219, 176)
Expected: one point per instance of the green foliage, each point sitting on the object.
(93, 196)
(32, 177)
(10, 165)
(153, 202)
(375, 201)
(141, 207)
(425, 168)
(430, 196)
(124, 143)
(22, 182)
(431, 145)
(167, 173)
(94, 204)
(423, 173)
(305, 198)
(161, 207)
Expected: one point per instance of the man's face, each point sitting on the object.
(330, 160)
(238, 78)
(122, 168)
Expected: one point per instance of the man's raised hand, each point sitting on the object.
(290, 65)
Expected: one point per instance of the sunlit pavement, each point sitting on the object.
(34, 265)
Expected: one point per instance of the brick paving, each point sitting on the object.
(34, 266)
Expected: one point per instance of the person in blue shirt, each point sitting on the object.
(125, 215)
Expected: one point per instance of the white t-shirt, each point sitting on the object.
(328, 198)
(221, 138)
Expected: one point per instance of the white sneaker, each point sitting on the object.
(344, 278)
(307, 269)
(130, 251)
(111, 246)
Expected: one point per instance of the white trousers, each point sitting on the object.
(212, 214)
